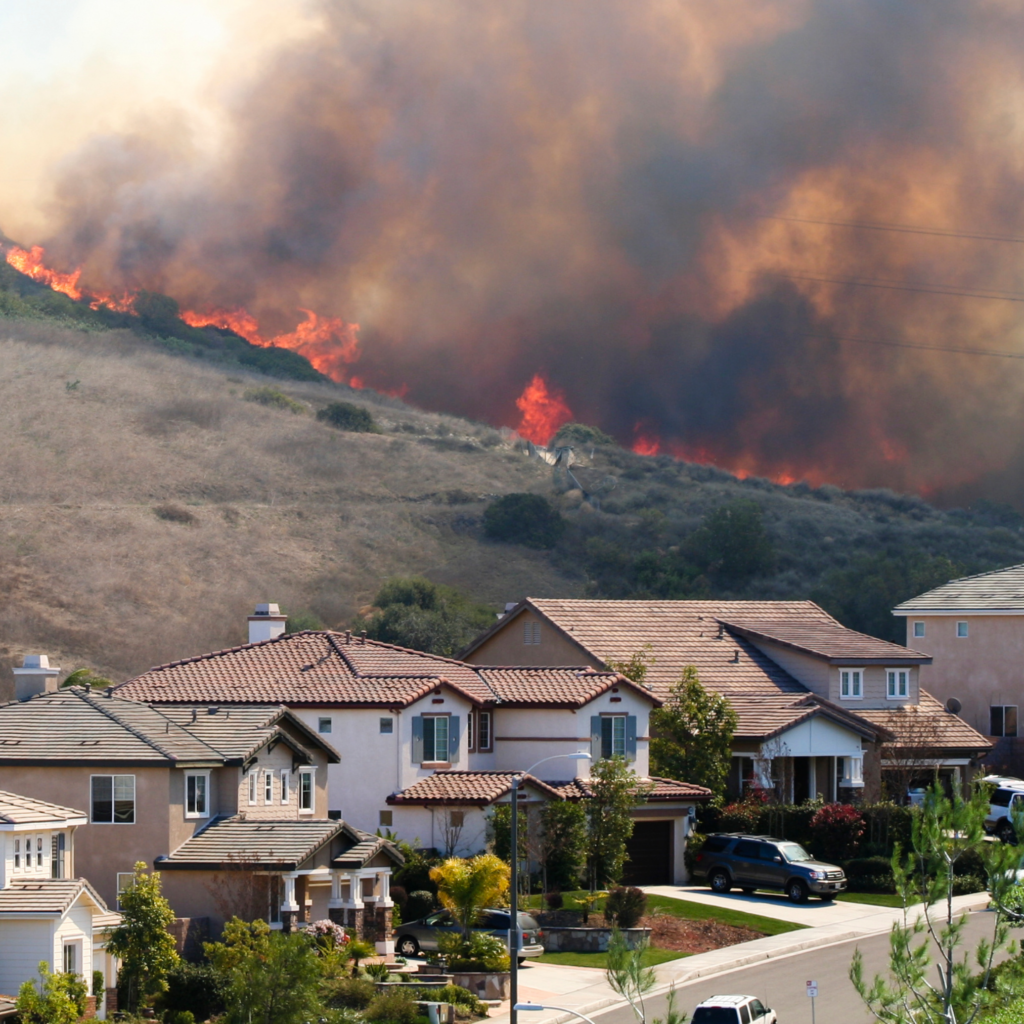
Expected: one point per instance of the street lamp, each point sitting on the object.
(562, 1009)
(513, 937)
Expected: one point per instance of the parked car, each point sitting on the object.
(423, 934)
(733, 1010)
(1007, 799)
(730, 859)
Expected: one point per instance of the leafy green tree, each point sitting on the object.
(692, 735)
(635, 668)
(732, 543)
(616, 789)
(863, 595)
(87, 677)
(466, 887)
(58, 999)
(346, 416)
(564, 843)
(523, 518)
(499, 833)
(945, 832)
(141, 941)
(414, 612)
(269, 977)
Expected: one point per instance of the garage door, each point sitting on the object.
(649, 853)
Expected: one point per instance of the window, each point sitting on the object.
(71, 958)
(113, 799)
(470, 720)
(17, 854)
(254, 785)
(39, 851)
(853, 772)
(306, 791)
(851, 683)
(531, 632)
(268, 787)
(286, 785)
(323, 725)
(484, 730)
(386, 818)
(961, 630)
(1003, 720)
(197, 800)
(58, 856)
(435, 739)
(456, 819)
(897, 683)
(125, 880)
(387, 726)
(918, 629)
(613, 736)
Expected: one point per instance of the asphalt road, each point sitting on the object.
(781, 983)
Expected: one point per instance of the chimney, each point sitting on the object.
(266, 623)
(35, 676)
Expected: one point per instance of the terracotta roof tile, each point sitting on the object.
(22, 810)
(999, 590)
(825, 640)
(46, 896)
(928, 724)
(656, 789)
(570, 686)
(478, 788)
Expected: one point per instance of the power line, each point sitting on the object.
(906, 229)
(907, 344)
(893, 286)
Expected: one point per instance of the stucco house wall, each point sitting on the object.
(507, 646)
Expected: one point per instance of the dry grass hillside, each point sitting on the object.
(146, 505)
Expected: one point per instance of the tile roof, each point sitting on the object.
(659, 789)
(998, 590)
(22, 810)
(825, 640)
(324, 668)
(8, 1006)
(365, 849)
(477, 788)
(926, 725)
(46, 896)
(252, 844)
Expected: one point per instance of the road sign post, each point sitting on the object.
(812, 991)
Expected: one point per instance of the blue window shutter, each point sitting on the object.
(453, 739)
(595, 738)
(417, 740)
(631, 737)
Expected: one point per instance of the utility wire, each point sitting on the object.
(893, 286)
(906, 229)
(907, 344)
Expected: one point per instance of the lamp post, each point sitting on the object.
(561, 1009)
(513, 935)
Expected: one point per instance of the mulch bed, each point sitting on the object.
(675, 933)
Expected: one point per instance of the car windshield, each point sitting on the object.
(714, 1015)
(794, 852)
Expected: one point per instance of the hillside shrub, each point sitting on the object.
(554, 900)
(398, 1006)
(625, 906)
(454, 994)
(273, 398)
(580, 434)
(175, 514)
(193, 988)
(523, 518)
(349, 993)
(346, 416)
(836, 831)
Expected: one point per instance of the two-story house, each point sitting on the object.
(401, 718)
(822, 710)
(974, 630)
(229, 803)
(48, 914)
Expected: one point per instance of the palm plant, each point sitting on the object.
(466, 887)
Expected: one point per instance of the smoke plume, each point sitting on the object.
(686, 220)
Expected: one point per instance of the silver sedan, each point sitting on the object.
(414, 936)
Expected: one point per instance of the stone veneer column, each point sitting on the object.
(289, 906)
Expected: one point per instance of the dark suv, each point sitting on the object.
(761, 862)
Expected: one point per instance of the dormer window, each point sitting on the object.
(897, 683)
(197, 788)
(851, 683)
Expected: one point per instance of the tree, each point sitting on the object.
(523, 518)
(627, 974)
(946, 831)
(732, 543)
(563, 843)
(88, 678)
(59, 999)
(269, 977)
(141, 941)
(635, 668)
(466, 887)
(692, 735)
(915, 749)
(499, 832)
(615, 790)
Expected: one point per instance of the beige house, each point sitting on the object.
(47, 913)
(822, 710)
(974, 630)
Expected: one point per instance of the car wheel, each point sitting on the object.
(520, 960)
(407, 946)
(748, 890)
(796, 891)
(719, 881)
(1007, 833)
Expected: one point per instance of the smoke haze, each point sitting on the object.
(623, 198)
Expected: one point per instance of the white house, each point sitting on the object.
(47, 915)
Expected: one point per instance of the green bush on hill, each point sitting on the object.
(527, 519)
(580, 435)
(346, 416)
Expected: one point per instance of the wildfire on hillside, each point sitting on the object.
(30, 263)
(543, 410)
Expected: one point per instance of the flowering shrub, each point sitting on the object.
(327, 935)
(744, 815)
(837, 829)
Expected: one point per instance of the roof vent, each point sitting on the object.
(35, 676)
(266, 623)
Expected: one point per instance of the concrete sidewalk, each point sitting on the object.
(586, 990)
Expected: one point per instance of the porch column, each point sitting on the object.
(289, 905)
(383, 912)
(336, 904)
(812, 778)
(835, 779)
(352, 908)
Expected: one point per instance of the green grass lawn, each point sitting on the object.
(600, 960)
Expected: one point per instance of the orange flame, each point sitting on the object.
(645, 441)
(31, 264)
(543, 411)
(243, 323)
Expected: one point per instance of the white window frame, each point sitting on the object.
(854, 686)
(39, 852)
(1016, 719)
(304, 775)
(918, 630)
(75, 946)
(113, 800)
(254, 786)
(446, 746)
(17, 854)
(892, 691)
(614, 719)
(205, 812)
(268, 786)
(129, 881)
(286, 785)
(964, 632)
(470, 732)
(325, 721)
